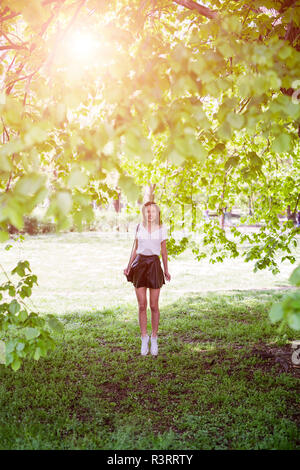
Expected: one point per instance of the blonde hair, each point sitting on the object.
(158, 219)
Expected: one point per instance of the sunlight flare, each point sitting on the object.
(81, 47)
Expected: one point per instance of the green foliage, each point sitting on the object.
(288, 311)
(174, 249)
(295, 277)
(207, 110)
(24, 333)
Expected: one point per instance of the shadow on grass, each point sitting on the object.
(217, 382)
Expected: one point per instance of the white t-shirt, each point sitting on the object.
(150, 243)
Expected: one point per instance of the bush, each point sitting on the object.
(31, 225)
(109, 220)
(105, 220)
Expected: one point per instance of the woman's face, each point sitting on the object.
(151, 213)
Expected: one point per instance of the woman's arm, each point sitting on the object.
(133, 254)
(126, 270)
(164, 255)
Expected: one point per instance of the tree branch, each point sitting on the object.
(41, 33)
(191, 5)
(9, 17)
(294, 212)
(13, 46)
(22, 44)
(243, 105)
(47, 2)
(4, 131)
(13, 155)
(10, 84)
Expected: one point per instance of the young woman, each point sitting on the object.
(147, 271)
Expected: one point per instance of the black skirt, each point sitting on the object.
(146, 271)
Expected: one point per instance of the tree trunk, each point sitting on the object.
(250, 206)
(149, 193)
(117, 203)
(291, 215)
(222, 219)
(193, 215)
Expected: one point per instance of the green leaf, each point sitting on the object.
(294, 321)
(33, 12)
(176, 157)
(9, 357)
(14, 307)
(226, 49)
(22, 315)
(212, 201)
(153, 123)
(236, 120)
(218, 149)
(31, 333)
(10, 346)
(136, 145)
(183, 84)
(28, 185)
(276, 313)
(197, 65)
(282, 143)
(16, 364)
(20, 268)
(232, 24)
(77, 179)
(129, 187)
(5, 164)
(4, 236)
(37, 354)
(20, 346)
(284, 52)
(231, 162)
(199, 151)
(224, 131)
(55, 324)
(189, 146)
(295, 277)
(256, 161)
(25, 292)
(64, 202)
(15, 216)
(12, 291)
(12, 146)
(179, 52)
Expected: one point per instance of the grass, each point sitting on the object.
(223, 378)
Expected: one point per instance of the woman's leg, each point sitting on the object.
(142, 302)
(155, 314)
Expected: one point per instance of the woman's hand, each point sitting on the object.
(167, 275)
(126, 271)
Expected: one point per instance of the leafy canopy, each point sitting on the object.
(202, 101)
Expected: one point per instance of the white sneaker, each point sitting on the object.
(145, 347)
(154, 346)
